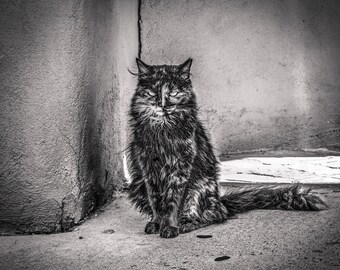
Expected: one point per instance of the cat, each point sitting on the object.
(173, 169)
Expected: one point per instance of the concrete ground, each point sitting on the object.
(113, 238)
(278, 167)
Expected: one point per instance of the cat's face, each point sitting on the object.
(163, 92)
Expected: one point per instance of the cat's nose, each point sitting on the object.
(160, 104)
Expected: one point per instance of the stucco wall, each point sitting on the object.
(116, 48)
(60, 122)
(266, 72)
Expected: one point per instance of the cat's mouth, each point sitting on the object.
(159, 111)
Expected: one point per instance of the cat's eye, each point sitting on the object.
(174, 93)
(150, 93)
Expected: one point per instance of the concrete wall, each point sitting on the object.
(61, 125)
(116, 48)
(266, 72)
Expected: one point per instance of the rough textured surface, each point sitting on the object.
(266, 72)
(114, 239)
(60, 122)
(116, 47)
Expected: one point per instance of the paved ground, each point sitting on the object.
(113, 238)
(305, 168)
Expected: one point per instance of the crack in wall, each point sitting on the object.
(139, 29)
(56, 165)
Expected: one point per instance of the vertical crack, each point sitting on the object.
(139, 29)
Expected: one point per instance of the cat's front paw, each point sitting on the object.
(151, 228)
(185, 228)
(169, 232)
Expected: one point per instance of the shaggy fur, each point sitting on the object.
(172, 165)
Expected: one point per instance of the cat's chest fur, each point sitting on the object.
(159, 154)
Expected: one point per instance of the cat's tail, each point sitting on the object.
(291, 197)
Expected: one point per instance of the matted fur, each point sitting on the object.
(172, 165)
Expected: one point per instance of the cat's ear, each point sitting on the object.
(142, 67)
(184, 69)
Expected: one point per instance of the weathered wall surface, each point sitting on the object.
(266, 72)
(60, 122)
(116, 47)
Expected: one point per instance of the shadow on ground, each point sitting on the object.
(113, 238)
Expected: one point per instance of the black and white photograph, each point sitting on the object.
(170, 134)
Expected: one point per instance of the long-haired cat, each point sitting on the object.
(172, 165)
